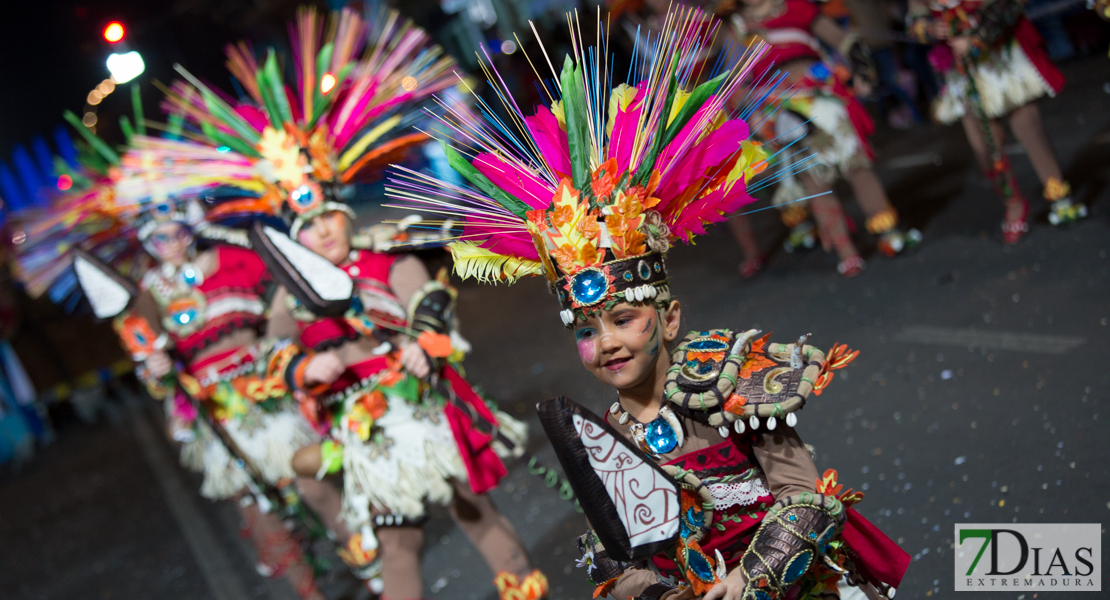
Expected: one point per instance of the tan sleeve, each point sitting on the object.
(633, 583)
(406, 277)
(281, 325)
(786, 462)
(828, 31)
(147, 308)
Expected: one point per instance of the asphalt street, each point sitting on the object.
(980, 394)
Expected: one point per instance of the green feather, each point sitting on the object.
(693, 104)
(473, 175)
(277, 88)
(320, 103)
(173, 126)
(578, 130)
(230, 141)
(102, 148)
(222, 111)
(137, 107)
(267, 96)
(125, 127)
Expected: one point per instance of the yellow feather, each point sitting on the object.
(371, 136)
(473, 261)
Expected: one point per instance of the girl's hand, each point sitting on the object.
(730, 588)
(323, 368)
(159, 364)
(415, 360)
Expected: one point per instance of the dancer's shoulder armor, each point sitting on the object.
(743, 380)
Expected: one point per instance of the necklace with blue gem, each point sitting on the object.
(662, 435)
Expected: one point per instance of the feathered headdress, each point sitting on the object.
(592, 188)
(347, 109)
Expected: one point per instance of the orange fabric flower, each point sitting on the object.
(735, 404)
(375, 404)
(755, 360)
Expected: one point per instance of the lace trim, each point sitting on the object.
(740, 493)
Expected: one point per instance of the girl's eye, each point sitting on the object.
(621, 322)
(584, 334)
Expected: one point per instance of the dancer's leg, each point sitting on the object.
(832, 226)
(1015, 223)
(277, 549)
(489, 530)
(1025, 122)
(327, 502)
(399, 548)
(741, 228)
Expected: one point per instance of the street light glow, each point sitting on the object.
(114, 32)
(125, 67)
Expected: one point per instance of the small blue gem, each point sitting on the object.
(660, 437)
(185, 317)
(812, 535)
(700, 566)
(792, 518)
(189, 276)
(761, 595)
(628, 275)
(589, 287)
(657, 267)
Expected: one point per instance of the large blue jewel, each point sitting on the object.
(660, 437)
(302, 196)
(589, 287)
(797, 567)
(699, 564)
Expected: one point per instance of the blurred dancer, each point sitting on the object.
(819, 111)
(403, 426)
(994, 65)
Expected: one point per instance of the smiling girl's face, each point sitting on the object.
(627, 345)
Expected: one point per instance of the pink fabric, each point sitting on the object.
(483, 467)
(878, 558)
(623, 136)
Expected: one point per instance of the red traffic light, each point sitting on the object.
(114, 31)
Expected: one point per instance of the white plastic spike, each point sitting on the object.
(754, 422)
(615, 408)
(772, 423)
(369, 540)
(791, 420)
(723, 430)
(722, 570)
(106, 297)
(739, 426)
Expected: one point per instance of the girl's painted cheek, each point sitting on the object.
(587, 349)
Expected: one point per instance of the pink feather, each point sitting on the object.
(527, 187)
(551, 140)
(690, 166)
(624, 134)
(496, 239)
(713, 208)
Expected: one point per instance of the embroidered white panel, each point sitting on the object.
(645, 499)
(107, 297)
(328, 280)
